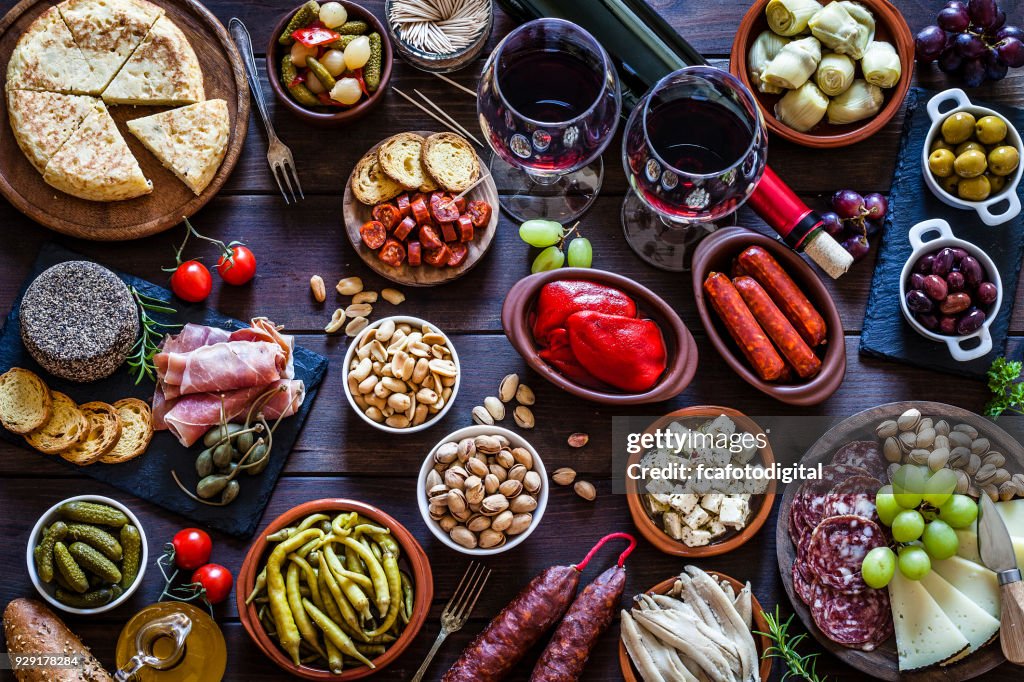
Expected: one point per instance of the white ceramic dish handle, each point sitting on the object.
(992, 219)
(961, 354)
(934, 225)
(955, 95)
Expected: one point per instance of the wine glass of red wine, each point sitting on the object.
(694, 149)
(548, 102)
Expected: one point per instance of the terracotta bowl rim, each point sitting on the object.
(833, 366)
(417, 560)
(344, 115)
(682, 365)
(658, 537)
(900, 36)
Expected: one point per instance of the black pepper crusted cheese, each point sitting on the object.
(79, 321)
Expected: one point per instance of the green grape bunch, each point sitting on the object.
(550, 236)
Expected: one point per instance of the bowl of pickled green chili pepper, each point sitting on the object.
(329, 62)
(87, 554)
(334, 589)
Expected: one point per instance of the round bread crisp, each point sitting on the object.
(136, 431)
(837, 549)
(79, 321)
(104, 432)
(25, 401)
(451, 161)
(66, 426)
(370, 184)
(401, 157)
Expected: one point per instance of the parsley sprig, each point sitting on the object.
(801, 667)
(1007, 389)
(140, 361)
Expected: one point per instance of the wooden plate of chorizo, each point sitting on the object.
(769, 316)
(419, 238)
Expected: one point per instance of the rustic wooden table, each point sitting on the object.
(338, 455)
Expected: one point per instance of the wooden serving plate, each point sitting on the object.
(882, 663)
(223, 78)
(630, 673)
(355, 213)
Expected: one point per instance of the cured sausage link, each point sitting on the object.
(762, 266)
(743, 328)
(779, 329)
(589, 616)
(508, 637)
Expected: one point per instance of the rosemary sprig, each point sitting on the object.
(140, 361)
(784, 647)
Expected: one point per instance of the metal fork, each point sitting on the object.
(282, 165)
(456, 611)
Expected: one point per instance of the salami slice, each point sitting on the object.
(809, 501)
(856, 496)
(865, 454)
(837, 548)
(862, 620)
(804, 588)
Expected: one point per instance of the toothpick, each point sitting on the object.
(450, 119)
(448, 80)
(432, 114)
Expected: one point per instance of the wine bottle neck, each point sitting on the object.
(783, 210)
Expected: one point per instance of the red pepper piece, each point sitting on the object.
(559, 355)
(313, 35)
(558, 300)
(626, 352)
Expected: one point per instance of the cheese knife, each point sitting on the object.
(996, 551)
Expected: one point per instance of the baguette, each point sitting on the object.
(31, 628)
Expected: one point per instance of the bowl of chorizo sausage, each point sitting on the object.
(769, 316)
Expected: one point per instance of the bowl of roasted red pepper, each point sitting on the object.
(600, 336)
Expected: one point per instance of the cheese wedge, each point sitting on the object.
(108, 31)
(47, 58)
(1012, 512)
(163, 70)
(925, 635)
(968, 548)
(96, 164)
(979, 584)
(43, 121)
(971, 619)
(190, 141)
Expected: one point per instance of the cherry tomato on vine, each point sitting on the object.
(216, 581)
(192, 548)
(239, 267)
(191, 281)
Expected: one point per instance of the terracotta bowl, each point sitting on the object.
(630, 674)
(762, 503)
(682, 349)
(716, 252)
(413, 560)
(328, 116)
(890, 26)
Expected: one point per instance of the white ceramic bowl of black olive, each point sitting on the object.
(950, 290)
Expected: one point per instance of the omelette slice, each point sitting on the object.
(47, 58)
(43, 121)
(163, 70)
(96, 164)
(108, 31)
(190, 141)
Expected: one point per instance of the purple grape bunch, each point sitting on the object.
(971, 39)
(854, 219)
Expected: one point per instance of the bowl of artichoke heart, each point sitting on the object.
(825, 75)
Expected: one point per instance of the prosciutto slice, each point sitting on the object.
(224, 366)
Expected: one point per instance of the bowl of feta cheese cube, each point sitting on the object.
(706, 488)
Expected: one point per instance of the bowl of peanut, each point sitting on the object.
(401, 374)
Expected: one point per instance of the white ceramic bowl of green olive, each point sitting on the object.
(971, 158)
(93, 532)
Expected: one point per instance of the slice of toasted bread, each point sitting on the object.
(451, 161)
(136, 431)
(25, 402)
(401, 157)
(104, 432)
(370, 184)
(66, 427)
(429, 184)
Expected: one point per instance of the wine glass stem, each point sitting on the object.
(544, 179)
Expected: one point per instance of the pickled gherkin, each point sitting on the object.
(371, 71)
(43, 554)
(304, 16)
(341, 43)
(353, 28)
(69, 568)
(91, 560)
(131, 541)
(98, 538)
(299, 91)
(89, 600)
(90, 512)
(320, 72)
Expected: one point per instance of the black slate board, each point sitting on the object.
(149, 476)
(885, 332)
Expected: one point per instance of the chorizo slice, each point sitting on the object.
(415, 253)
(404, 228)
(442, 208)
(459, 254)
(392, 253)
(402, 203)
(757, 263)
(438, 257)
(448, 232)
(429, 238)
(387, 215)
(479, 212)
(466, 231)
(743, 328)
(373, 233)
(419, 210)
(779, 329)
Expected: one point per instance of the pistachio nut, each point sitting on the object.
(466, 449)
(478, 522)
(489, 445)
(942, 427)
(979, 446)
(448, 522)
(532, 482)
(502, 521)
(523, 456)
(477, 467)
(524, 395)
(523, 504)
(909, 420)
(463, 536)
(578, 440)
(967, 429)
(495, 407)
(482, 416)
(586, 490)
(517, 472)
(494, 504)
(891, 449)
(524, 417)
(490, 539)
(887, 429)
(563, 476)
(511, 488)
(433, 479)
(491, 484)
(455, 477)
(520, 523)
(508, 387)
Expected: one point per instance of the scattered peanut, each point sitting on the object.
(349, 286)
(319, 289)
(337, 320)
(359, 310)
(365, 297)
(392, 296)
(357, 325)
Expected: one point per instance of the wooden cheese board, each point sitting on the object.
(355, 213)
(170, 200)
(882, 663)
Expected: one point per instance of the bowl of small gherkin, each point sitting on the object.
(329, 63)
(87, 554)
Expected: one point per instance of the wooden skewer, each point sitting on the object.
(483, 176)
(432, 114)
(448, 80)
(450, 119)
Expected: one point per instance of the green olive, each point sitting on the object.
(1003, 160)
(996, 182)
(990, 129)
(968, 146)
(970, 164)
(941, 144)
(950, 184)
(940, 163)
(974, 189)
(958, 128)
